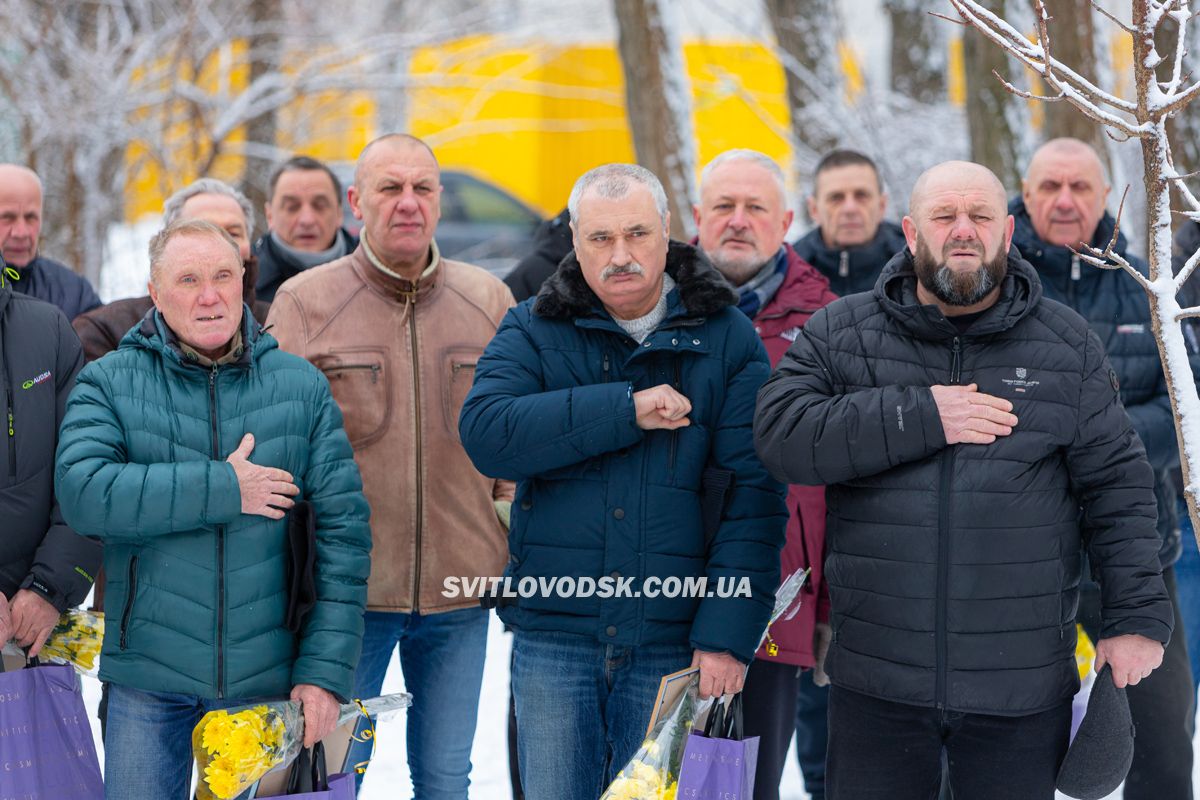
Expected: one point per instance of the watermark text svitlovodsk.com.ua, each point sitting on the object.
(603, 588)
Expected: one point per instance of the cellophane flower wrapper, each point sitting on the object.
(75, 641)
(236, 747)
(653, 772)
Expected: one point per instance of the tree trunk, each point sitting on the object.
(918, 58)
(265, 54)
(658, 99)
(997, 120)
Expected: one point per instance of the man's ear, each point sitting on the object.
(910, 232)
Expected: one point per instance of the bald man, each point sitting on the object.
(972, 439)
(1062, 206)
(20, 226)
(398, 329)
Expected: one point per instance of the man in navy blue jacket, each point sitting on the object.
(20, 224)
(615, 398)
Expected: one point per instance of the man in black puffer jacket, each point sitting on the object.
(852, 242)
(1062, 206)
(973, 442)
(44, 566)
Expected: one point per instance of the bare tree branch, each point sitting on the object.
(1127, 28)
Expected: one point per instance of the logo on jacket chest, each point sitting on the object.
(1020, 382)
(32, 382)
(790, 334)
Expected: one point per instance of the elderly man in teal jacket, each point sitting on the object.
(182, 451)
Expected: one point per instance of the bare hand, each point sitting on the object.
(720, 673)
(6, 626)
(822, 636)
(320, 711)
(661, 407)
(33, 617)
(1131, 656)
(266, 491)
(972, 417)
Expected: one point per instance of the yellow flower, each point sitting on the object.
(646, 774)
(223, 785)
(668, 792)
(217, 731)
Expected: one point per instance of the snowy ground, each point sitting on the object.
(388, 777)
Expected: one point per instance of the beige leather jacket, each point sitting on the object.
(400, 359)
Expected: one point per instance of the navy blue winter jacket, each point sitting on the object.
(58, 285)
(552, 408)
(852, 269)
(1117, 309)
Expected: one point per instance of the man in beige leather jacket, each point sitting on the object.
(397, 330)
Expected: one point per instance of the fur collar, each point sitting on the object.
(702, 290)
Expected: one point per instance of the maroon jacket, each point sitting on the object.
(804, 291)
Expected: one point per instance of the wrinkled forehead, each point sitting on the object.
(401, 161)
(206, 251)
(634, 209)
(742, 178)
(1067, 166)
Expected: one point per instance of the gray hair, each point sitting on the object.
(186, 227)
(173, 208)
(754, 157)
(613, 181)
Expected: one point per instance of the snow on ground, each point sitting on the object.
(388, 777)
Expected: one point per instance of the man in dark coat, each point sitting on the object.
(1062, 207)
(973, 442)
(20, 225)
(612, 399)
(304, 217)
(852, 241)
(208, 199)
(742, 219)
(44, 566)
(552, 242)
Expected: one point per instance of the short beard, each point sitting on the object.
(738, 271)
(958, 289)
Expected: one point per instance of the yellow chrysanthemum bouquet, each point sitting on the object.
(75, 641)
(238, 746)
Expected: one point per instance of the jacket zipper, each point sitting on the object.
(807, 588)
(12, 432)
(1075, 276)
(605, 368)
(943, 566)
(375, 369)
(212, 398)
(416, 371)
(130, 592)
(844, 264)
(675, 433)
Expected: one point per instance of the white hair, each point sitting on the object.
(613, 181)
(746, 154)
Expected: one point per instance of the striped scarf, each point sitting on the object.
(760, 290)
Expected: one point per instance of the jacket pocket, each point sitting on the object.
(361, 384)
(459, 373)
(130, 595)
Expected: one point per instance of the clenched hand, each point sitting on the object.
(320, 711)
(266, 491)
(661, 407)
(971, 417)
(1131, 656)
(33, 617)
(720, 673)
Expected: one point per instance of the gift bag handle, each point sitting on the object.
(725, 719)
(311, 762)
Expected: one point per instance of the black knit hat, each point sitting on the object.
(1100, 757)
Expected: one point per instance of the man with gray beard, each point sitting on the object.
(972, 441)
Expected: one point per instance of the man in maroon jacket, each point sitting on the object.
(743, 217)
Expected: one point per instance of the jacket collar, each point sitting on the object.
(896, 291)
(804, 289)
(153, 333)
(699, 292)
(888, 240)
(390, 285)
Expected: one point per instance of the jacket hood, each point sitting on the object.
(1053, 259)
(702, 289)
(154, 334)
(896, 291)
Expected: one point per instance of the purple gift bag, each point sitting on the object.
(719, 764)
(308, 772)
(47, 739)
(341, 787)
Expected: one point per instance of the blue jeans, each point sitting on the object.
(442, 659)
(582, 708)
(148, 742)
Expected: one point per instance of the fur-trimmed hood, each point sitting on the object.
(702, 290)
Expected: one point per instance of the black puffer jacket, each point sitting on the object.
(57, 284)
(953, 570)
(1117, 309)
(39, 356)
(852, 269)
(276, 266)
(552, 242)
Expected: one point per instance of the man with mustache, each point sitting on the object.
(743, 217)
(620, 399)
(1060, 210)
(971, 436)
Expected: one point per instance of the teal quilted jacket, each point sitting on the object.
(197, 590)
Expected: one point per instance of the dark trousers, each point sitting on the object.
(812, 733)
(1162, 707)
(768, 712)
(879, 750)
